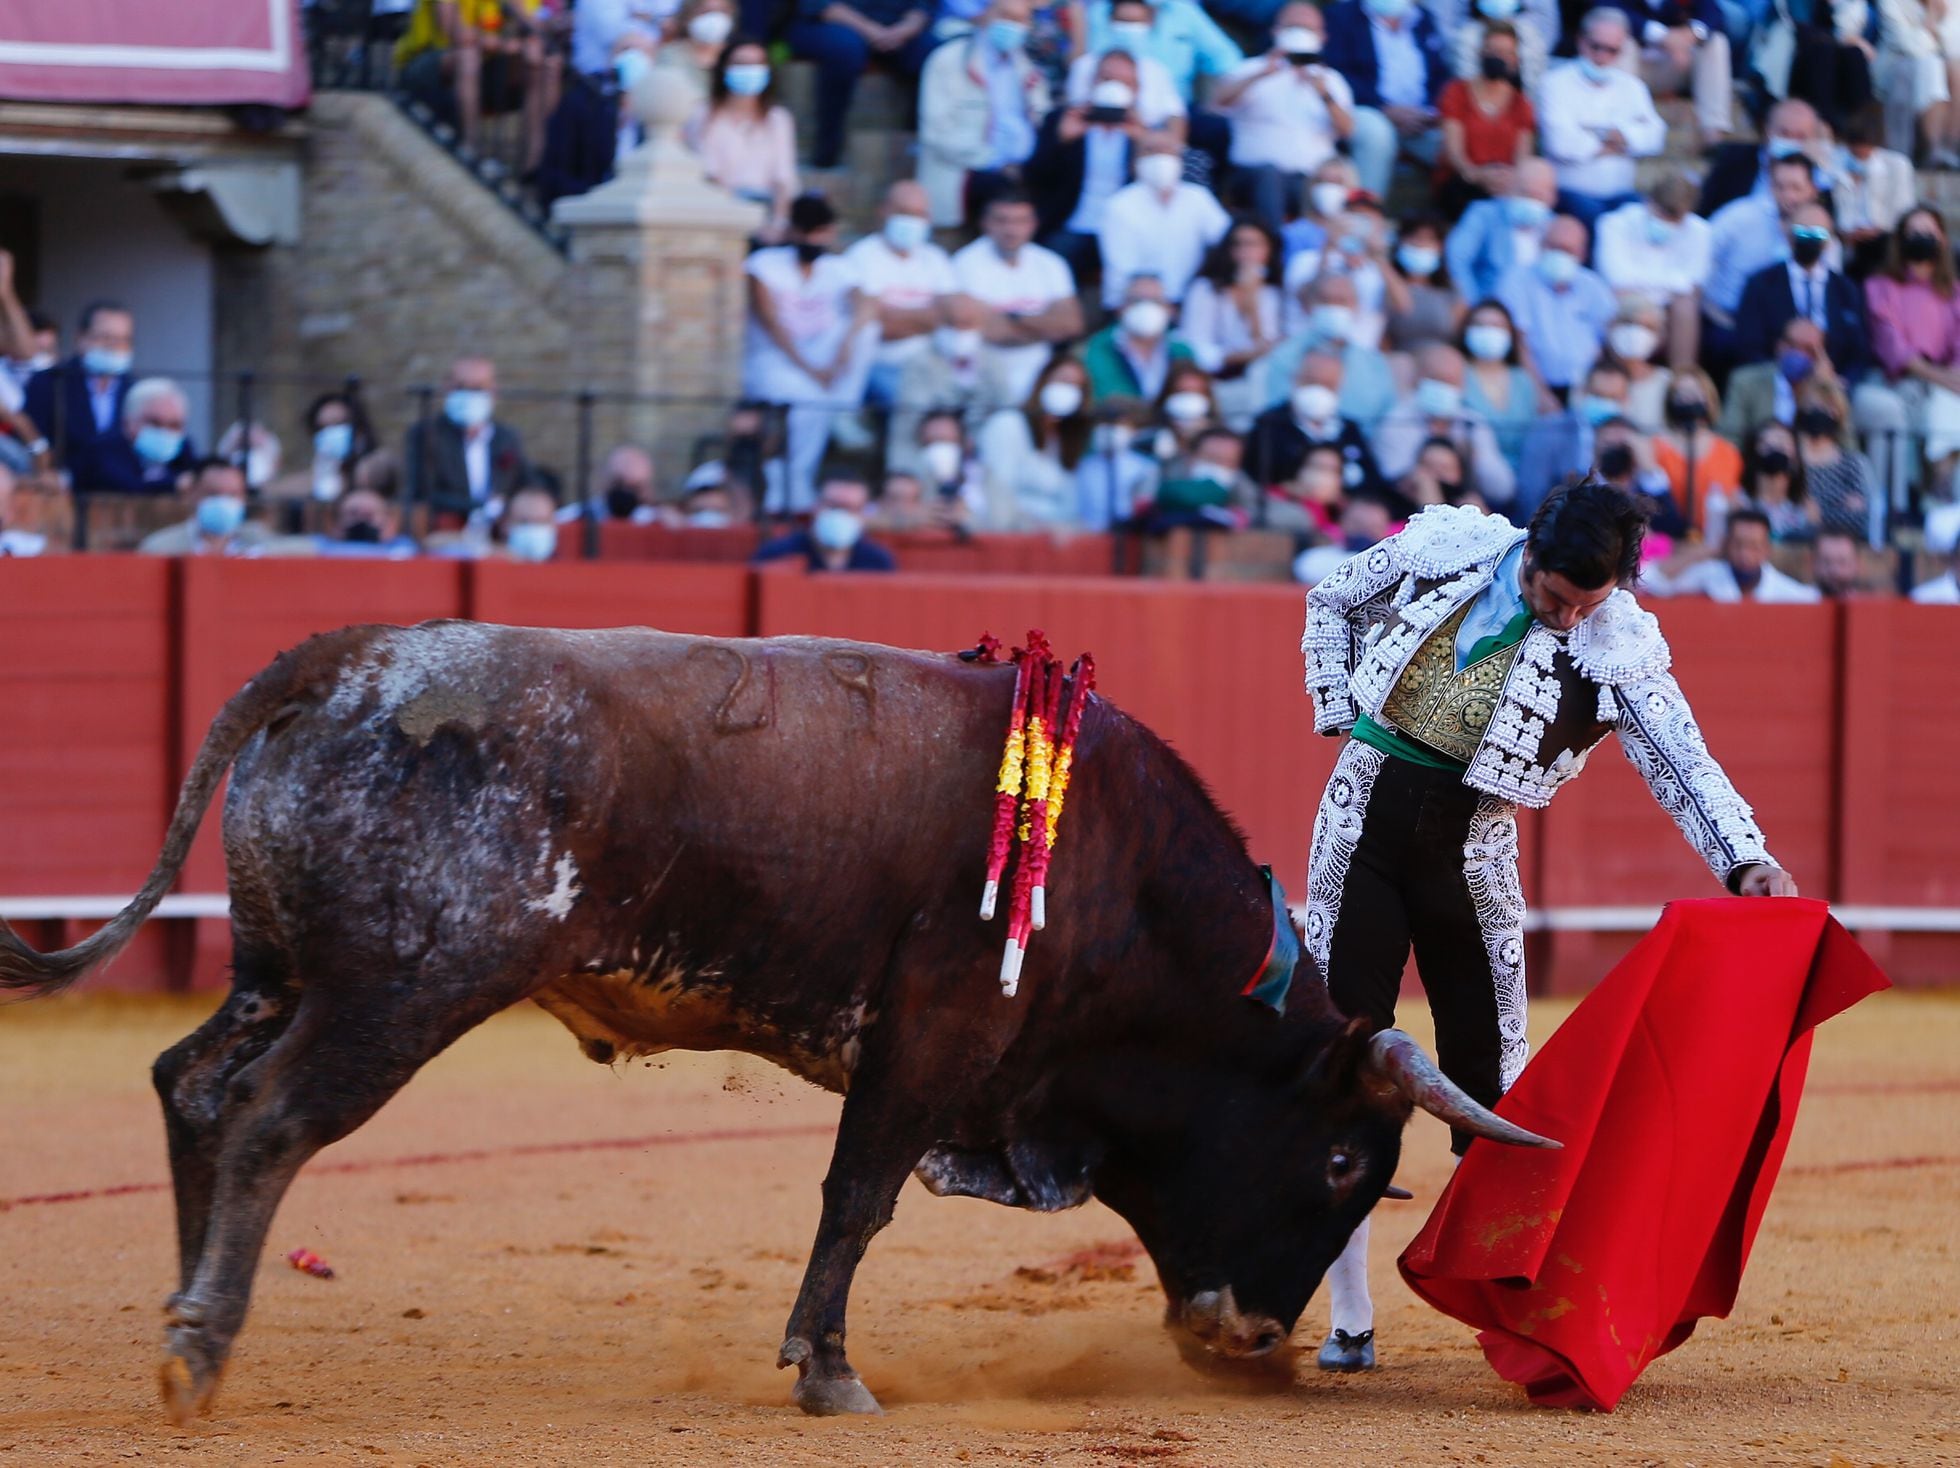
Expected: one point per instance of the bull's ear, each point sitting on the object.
(1346, 1068)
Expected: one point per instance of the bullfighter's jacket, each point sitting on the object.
(1564, 693)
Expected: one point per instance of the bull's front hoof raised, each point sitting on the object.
(836, 1396)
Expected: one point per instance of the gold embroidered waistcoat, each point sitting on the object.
(1438, 706)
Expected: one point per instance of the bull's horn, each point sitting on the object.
(1397, 1056)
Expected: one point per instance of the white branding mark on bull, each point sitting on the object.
(559, 903)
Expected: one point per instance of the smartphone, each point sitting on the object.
(1108, 116)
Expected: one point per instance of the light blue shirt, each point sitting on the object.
(1746, 235)
(1563, 327)
(1494, 607)
(1182, 36)
(1010, 135)
(1400, 76)
(1105, 154)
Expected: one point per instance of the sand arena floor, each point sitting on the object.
(541, 1261)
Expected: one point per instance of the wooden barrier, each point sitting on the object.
(680, 596)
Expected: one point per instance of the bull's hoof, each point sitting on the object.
(1346, 1353)
(836, 1396)
(187, 1393)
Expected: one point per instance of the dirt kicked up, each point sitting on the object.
(540, 1261)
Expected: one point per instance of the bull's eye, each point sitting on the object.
(1339, 1165)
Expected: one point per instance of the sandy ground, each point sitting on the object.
(543, 1261)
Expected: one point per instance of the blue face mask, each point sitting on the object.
(1558, 267)
(632, 67)
(532, 542)
(156, 445)
(1794, 365)
(1006, 36)
(219, 515)
(1525, 212)
(836, 529)
(1598, 410)
(104, 362)
(1387, 9)
(335, 441)
(469, 407)
(906, 232)
(1784, 147)
(1593, 71)
(749, 80)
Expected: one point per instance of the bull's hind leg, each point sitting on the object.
(342, 1057)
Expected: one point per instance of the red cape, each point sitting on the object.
(1674, 1087)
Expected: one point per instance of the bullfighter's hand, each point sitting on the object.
(1763, 880)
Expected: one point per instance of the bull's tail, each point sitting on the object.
(25, 971)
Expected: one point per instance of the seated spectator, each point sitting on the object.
(1836, 568)
(1940, 591)
(1922, 60)
(1497, 234)
(465, 464)
(1741, 572)
(1284, 436)
(1367, 389)
(1561, 447)
(77, 405)
(1873, 188)
(843, 37)
(1391, 55)
(1233, 312)
(1701, 466)
(1560, 306)
(806, 345)
(217, 526)
(1186, 407)
(1624, 457)
(468, 59)
(627, 490)
(949, 468)
(907, 278)
(1679, 48)
(1309, 503)
(1205, 486)
(1498, 387)
(529, 527)
(1440, 476)
(1489, 126)
(1631, 342)
(1026, 296)
(1289, 112)
(1422, 310)
(1083, 157)
(1159, 226)
(1534, 30)
(1915, 325)
(152, 454)
(253, 447)
(981, 101)
(1333, 184)
(1115, 476)
(1772, 485)
(1838, 480)
(834, 540)
(701, 29)
(1434, 409)
(1658, 249)
(1746, 236)
(746, 138)
(338, 431)
(15, 541)
(1156, 101)
(1132, 356)
(904, 506)
(1357, 249)
(948, 376)
(1598, 117)
(708, 502)
(1182, 37)
(366, 526)
(1766, 392)
(746, 458)
(1365, 521)
(1808, 285)
(1029, 456)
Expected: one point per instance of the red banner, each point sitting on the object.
(193, 52)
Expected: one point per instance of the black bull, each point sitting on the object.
(776, 847)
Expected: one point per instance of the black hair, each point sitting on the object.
(1206, 435)
(836, 471)
(357, 419)
(96, 308)
(212, 461)
(1744, 515)
(41, 320)
(1218, 267)
(536, 476)
(1590, 533)
(935, 415)
(1013, 194)
(810, 212)
(718, 92)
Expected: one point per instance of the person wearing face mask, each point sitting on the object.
(1025, 294)
(1289, 113)
(908, 278)
(1679, 48)
(1434, 408)
(981, 101)
(1182, 36)
(601, 29)
(1873, 189)
(1791, 129)
(1701, 466)
(463, 463)
(217, 525)
(843, 37)
(1204, 487)
(626, 489)
(1806, 283)
(1135, 353)
(1772, 484)
(1489, 125)
(77, 406)
(834, 539)
(1766, 392)
(366, 525)
(1329, 190)
(745, 138)
(337, 436)
(1284, 436)
(1083, 157)
(1391, 53)
(1631, 343)
(1915, 318)
(1660, 250)
(1233, 313)
(1159, 226)
(1328, 306)
(1745, 236)
(1598, 118)
(1421, 306)
(1115, 475)
(943, 458)
(1561, 306)
(529, 527)
(1498, 385)
(1741, 570)
(1129, 33)
(1534, 26)
(151, 453)
(1838, 480)
(1496, 234)
(1029, 455)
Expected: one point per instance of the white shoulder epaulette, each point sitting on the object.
(1445, 539)
(1620, 643)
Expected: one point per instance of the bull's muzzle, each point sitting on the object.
(1212, 1321)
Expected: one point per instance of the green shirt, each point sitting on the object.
(1392, 741)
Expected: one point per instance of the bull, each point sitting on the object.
(775, 847)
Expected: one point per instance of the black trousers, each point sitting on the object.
(1410, 857)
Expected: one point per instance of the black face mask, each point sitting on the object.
(1616, 462)
(1922, 249)
(1687, 411)
(621, 501)
(1773, 461)
(1817, 423)
(1496, 69)
(1746, 580)
(362, 532)
(1451, 489)
(1807, 252)
(809, 251)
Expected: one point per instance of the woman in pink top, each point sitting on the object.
(1915, 317)
(747, 142)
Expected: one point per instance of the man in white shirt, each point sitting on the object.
(1158, 101)
(907, 276)
(1026, 295)
(1597, 118)
(1084, 156)
(1289, 114)
(1742, 572)
(1942, 590)
(1658, 249)
(1745, 236)
(1160, 225)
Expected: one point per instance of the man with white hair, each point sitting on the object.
(1495, 234)
(1597, 118)
(152, 454)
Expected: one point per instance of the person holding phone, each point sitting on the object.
(1289, 115)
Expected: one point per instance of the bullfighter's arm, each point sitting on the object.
(1338, 616)
(1657, 730)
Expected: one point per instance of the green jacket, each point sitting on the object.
(1109, 374)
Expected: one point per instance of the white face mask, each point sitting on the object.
(1061, 399)
(1160, 171)
(1315, 403)
(1632, 342)
(533, 543)
(1488, 342)
(1329, 199)
(1187, 407)
(1438, 399)
(1297, 41)
(1333, 322)
(942, 460)
(906, 232)
(1112, 93)
(1146, 320)
(710, 28)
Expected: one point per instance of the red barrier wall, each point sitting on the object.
(701, 597)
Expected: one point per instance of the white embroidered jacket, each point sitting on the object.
(1565, 692)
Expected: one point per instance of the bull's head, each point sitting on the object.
(1246, 1211)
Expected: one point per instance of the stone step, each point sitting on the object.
(879, 102)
